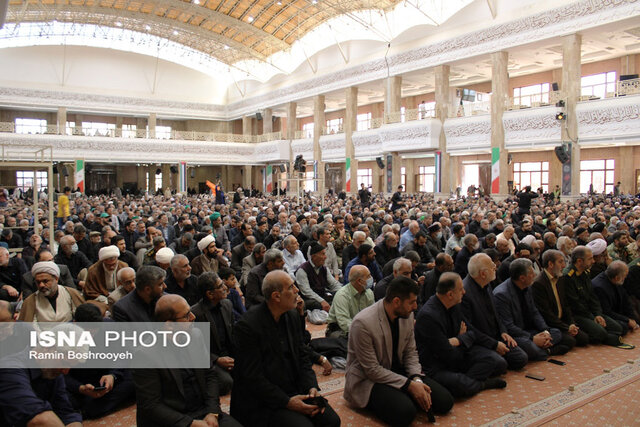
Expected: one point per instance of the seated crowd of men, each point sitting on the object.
(491, 286)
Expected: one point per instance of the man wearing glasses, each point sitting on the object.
(178, 397)
(215, 308)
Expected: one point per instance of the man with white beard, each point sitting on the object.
(101, 276)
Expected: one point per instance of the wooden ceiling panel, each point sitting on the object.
(275, 26)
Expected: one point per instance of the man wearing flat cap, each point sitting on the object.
(211, 257)
(52, 302)
(317, 285)
(101, 276)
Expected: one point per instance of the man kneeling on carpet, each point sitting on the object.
(383, 371)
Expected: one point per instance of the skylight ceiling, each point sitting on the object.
(258, 38)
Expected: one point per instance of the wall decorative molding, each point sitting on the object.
(367, 143)
(333, 147)
(126, 150)
(567, 19)
(89, 103)
(468, 134)
(531, 127)
(609, 120)
(418, 135)
(304, 147)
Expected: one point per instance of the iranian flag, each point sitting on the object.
(495, 170)
(348, 177)
(78, 176)
(269, 178)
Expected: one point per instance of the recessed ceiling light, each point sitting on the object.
(226, 47)
(118, 24)
(314, 1)
(175, 33)
(250, 18)
(147, 27)
(196, 1)
(279, 3)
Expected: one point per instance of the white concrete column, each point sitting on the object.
(267, 121)
(443, 103)
(499, 99)
(392, 95)
(571, 79)
(61, 120)
(151, 122)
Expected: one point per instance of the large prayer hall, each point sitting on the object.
(290, 171)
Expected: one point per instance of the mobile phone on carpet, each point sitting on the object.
(557, 362)
(535, 377)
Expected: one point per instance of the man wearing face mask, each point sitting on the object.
(434, 239)
(68, 255)
(52, 302)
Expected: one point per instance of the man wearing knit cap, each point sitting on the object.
(601, 257)
(222, 241)
(101, 276)
(316, 283)
(52, 302)
(211, 258)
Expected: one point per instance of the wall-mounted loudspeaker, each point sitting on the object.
(55, 169)
(554, 86)
(380, 162)
(173, 169)
(561, 154)
(64, 170)
(258, 116)
(193, 173)
(158, 171)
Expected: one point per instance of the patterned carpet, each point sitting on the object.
(597, 386)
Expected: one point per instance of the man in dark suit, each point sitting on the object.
(273, 260)
(584, 303)
(450, 350)
(549, 297)
(444, 263)
(518, 312)
(470, 248)
(522, 251)
(479, 309)
(387, 249)
(139, 305)
(272, 372)
(613, 297)
(178, 397)
(240, 252)
(180, 281)
(215, 308)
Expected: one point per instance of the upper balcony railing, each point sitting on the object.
(141, 133)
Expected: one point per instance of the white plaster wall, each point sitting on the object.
(107, 72)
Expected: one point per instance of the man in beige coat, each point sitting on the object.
(383, 371)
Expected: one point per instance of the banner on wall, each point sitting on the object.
(269, 178)
(348, 177)
(437, 188)
(78, 176)
(495, 170)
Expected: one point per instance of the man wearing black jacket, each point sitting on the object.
(273, 374)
